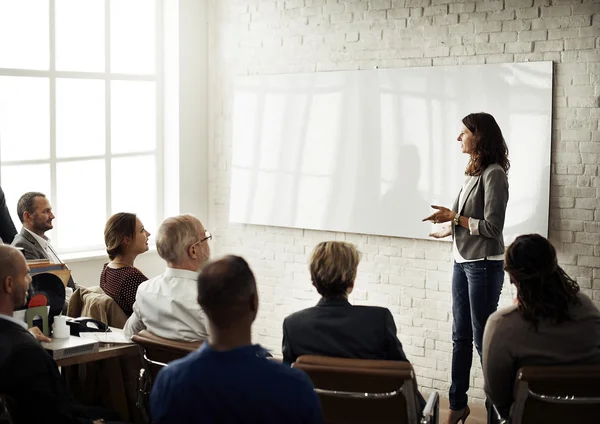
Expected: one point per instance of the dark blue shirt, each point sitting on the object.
(235, 386)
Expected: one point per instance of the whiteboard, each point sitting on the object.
(369, 151)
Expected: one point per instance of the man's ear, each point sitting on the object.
(192, 252)
(7, 284)
(254, 303)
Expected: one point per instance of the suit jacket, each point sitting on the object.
(33, 250)
(7, 228)
(30, 377)
(485, 200)
(336, 328)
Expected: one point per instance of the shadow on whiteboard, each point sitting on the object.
(369, 151)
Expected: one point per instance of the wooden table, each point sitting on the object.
(105, 352)
(117, 398)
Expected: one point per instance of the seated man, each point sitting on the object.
(228, 380)
(166, 305)
(28, 375)
(7, 228)
(552, 322)
(334, 327)
(35, 213)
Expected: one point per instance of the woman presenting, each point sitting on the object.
(477, 221)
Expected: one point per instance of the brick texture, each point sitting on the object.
(410, 277)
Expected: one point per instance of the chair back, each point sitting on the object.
(560, 394)
(157, 352)
(361, 390)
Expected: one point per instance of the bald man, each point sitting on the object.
(228, 380)
(28, 374)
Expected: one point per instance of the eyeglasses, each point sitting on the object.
(207, 236)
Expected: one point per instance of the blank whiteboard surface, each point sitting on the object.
(369, 151)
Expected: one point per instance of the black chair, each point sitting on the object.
(156, 353)
(556, 394)
(367, 391)
(54, 289)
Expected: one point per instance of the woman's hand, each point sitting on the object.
(441, 215)
(444, 232)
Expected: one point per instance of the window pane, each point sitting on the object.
(24, 118)
(133, 116)
(79, 35)
(24, 34)
(132, 36)
(80, 205)
(80, 125)
(138, 198)
(17, 180)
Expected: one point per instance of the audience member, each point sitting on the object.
(125, 238)
(7, 228)
(552, 322)
(166, 305)
(35, 213)
(228, 380)
(28, 375)
(335, 327)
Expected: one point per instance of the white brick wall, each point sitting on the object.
(411, 277)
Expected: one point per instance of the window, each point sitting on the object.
(80, 112)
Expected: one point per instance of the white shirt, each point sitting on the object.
(45, 243)
(13, 319)
(473, 230)
(167, 306)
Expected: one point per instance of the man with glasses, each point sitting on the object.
(166, 305)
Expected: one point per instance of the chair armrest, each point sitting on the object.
(499, 418)
(430, 413)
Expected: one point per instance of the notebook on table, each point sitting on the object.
(65, 348)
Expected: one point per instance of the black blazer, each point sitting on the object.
(336, 328)
(7, 228)
(30, 377)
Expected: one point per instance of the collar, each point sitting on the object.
(13, 319)
(334, 301)
(181, 273)
(43, 241)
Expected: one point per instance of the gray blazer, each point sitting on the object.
(31, 247)
(485, 200)
(33, 250)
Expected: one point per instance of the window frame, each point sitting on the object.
(107, 77)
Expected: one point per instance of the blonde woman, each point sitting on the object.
(334, 327)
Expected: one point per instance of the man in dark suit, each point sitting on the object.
(35, 213)
(7, 228)
(28, 375)
(334, 327)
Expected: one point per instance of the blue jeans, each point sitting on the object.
(476, 288)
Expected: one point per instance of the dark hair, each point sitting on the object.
(27, 203)
(118, 227)
(225, 287)
(489, 146)
(333, 266)
(544, 290)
